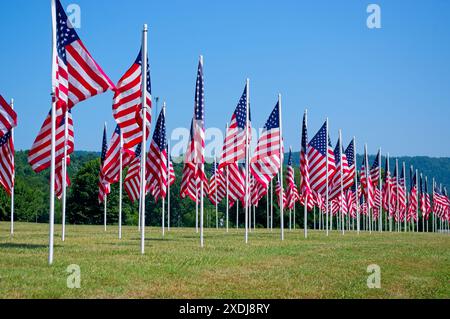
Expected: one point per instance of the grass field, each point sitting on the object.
(412, 265)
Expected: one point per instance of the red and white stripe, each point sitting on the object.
(8, 118)
(7, 162)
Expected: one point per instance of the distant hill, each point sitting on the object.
(439, 168)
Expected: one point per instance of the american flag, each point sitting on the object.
(193, 171)
(422, 196)
(278, 191)
(172, 177)
(39, 156)
(7, 162)
(133, 178)
(402, 194)
(104, 187)
(157, 177)
(217, 187)
(375, 170)
(349, 178)
(346, 178)
(292, 194)
(59, 175)
(413, 202)
(266, 160)
(387, 188)
(236, 183)
(305, 186)
(366, 183)
(8, 118)
(127, 104)
(427, 210)
(318, 150)
(352, 201)
(77, 76)
(234, 145)
(111, 166)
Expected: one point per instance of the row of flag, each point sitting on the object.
(330, 179)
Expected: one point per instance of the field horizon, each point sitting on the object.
(413, 265)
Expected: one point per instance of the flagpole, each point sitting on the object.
(341, 180)
(13, 178)
(271, 205)
(305, 207)
(281, 168)
(64, 170)
(53, 138)
(217, 188)
(144, 133)
(380, 215)
(327, 175)
(432, 208)
(247, 159)
(417, 195)
(228, 199)
(201, 187)
(358, 229)
(163, 211)
(366, 168)
(104, 201)
(168, 186)
(388, 188)
(196, 208)
(120, 184)
(406, 195)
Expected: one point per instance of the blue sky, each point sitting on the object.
(388, 87)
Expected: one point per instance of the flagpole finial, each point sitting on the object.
(201, 59)
(145, 27)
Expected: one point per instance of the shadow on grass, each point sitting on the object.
(22, 246)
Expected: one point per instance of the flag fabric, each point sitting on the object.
(344, 177)
(440, 202)
(375, 170)
(257, 191)
(78, 77)
(278, 192)
(349, 178)
(387, 189)
(236, 183)
(366, 184)
(172, 177)
(216, 185)
(234, 145)
(157, 177)
(352, 201)
(133, 179)
(127, 104)
(194, 158)
(266, 160)
(39, 156)
(427, 210)
(8, 118)
(402, 195)
(305, 186)
(319, 149)
(422, 197)
(292, 195)
(104, 187)
(59, 176)
(111, 166)
(7, 162)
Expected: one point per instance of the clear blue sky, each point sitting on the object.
(388, 87)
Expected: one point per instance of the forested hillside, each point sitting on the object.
(32, 194)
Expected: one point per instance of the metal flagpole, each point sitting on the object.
(380, 215)
(358, 227)
(271, 205)
(406, 194)
(52, 165)
(201, 187)
(120, 183)
(281, 169)
(217, 188)
(305, 206)
(237, 214)
(267, 210)
(417, 207)
(342, 185)
(144, 133)
(327, 175)
(254, 217)
(366, 168)
(105, 201)
(397, 203)
(247, 145)
(228, 199)
(163, 210)
(13, 178)
(64, 171)
(432, 208)
(196, 208)
(168, 186)
(388, 189)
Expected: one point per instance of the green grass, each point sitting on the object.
(412, 265)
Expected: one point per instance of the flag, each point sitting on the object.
(236, 183)
(292, 194)
(352, 201)
(305, 186)
(8, 118)
(7, 162)
(402, 194)
(104, 187)
(319, 149)
(217, 188)
(427, 200)
(366, 183)
(194, 157)
(127, 104)
(266, 160)
(375, 170)
(59, 176)
(257, 191)
(156, 170)
(172, 177)
(234, 145)
(387, 189)
(349, 178)
(39, 156)
(413, 202)
(278, 191)
(133, 178)
(78, 77)
(344, 177)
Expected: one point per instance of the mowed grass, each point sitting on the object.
(412, 265)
